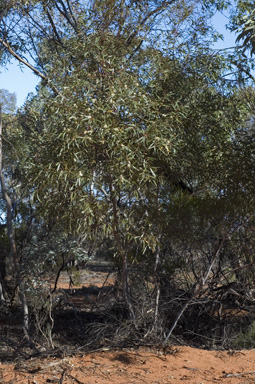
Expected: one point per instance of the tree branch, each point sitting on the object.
(64, 12)
(33, 69)
(156, 11)
(23, 61)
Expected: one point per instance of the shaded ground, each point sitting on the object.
(88, 296)
(178, 365)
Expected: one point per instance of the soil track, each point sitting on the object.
(178, 365)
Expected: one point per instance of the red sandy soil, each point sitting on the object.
(132, 366)
(178, 365)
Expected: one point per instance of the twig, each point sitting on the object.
(198, 288)
(62, 376)
(58, 275)
(238, 374)
(74, 378)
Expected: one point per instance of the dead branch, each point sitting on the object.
(198, 288)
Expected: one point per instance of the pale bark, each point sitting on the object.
(156, 265)
(2, 298)
(1, 286)
(157, 285)
(14, 254)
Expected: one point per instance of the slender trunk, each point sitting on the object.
(3, 293)
(156, 278)
(115, 227)
(92, 185)
(156, 265)
(1, 285)
(2, 298)
(14, 254)
(157, 291)
(126, 289)
(157, 285)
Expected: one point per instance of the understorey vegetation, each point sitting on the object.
(127, 179)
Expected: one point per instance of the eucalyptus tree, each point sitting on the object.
(132, 123)
(117, 129)
(7, 105)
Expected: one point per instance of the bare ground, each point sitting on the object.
(176, 365)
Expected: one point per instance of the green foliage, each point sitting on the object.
(144, 130)
(246, 340)
(7, 101)
(138, 140)
(243, 23)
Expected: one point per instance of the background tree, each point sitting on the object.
(8, 105)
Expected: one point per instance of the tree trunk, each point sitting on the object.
(157, 285)
(156, 265)
(2, 274)
(116, 234)
(14, 254)
(2, 298)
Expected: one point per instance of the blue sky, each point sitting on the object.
(22, 82)
(18, 81)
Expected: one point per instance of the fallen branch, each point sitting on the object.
(74, 378)
(238, 374)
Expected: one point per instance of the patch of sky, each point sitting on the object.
(19, 80)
